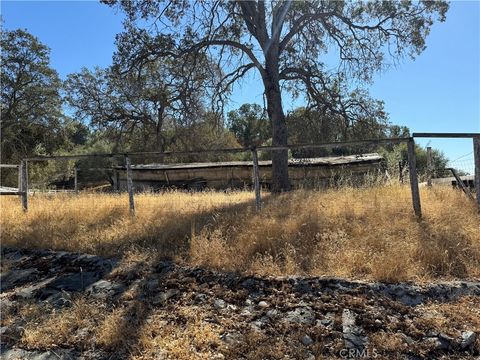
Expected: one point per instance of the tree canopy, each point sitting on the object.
(286, 42)
(250, 125)
(31, 105)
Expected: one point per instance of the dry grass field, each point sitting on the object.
(362, 233)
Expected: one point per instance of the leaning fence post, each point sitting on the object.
(429, 166)
(75, 179)
(476, 156)
(24, 184)
(256, 180)
(130, 185)
(412, 169)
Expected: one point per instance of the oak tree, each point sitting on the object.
(289, 44)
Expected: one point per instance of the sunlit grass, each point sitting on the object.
(367, 233)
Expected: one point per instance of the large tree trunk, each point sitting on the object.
(280, 181)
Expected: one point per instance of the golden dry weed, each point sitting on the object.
(367, 233)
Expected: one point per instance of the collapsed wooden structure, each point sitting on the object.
(306, 172)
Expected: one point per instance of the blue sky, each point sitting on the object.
(438, 92)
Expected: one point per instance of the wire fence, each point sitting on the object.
(246, 174)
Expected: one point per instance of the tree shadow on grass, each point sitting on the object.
(445, 252)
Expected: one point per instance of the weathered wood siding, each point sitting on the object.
(239, 174)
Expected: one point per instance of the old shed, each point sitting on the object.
(238, 174)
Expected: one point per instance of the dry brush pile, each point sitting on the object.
(367, 233)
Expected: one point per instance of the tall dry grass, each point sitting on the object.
(367, 233)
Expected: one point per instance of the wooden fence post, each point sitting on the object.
(476, 156)
(130, 185)
(429, 166)
(75, 179)
(19, 183)
(24, 184)
(412, 169)
(400, 172)
(256, 180)
(116, 186)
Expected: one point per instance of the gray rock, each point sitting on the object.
(231, 307)
(163, 296)
(3, 330)
(273, 314)
(16, 277)
(219, 304)
(353, 335)
(6, 304)
(328, 320)
(35, 290)
(15, 354)
(301, 315)
(232, 338)
(60, 299)
(440, 342)
(307, 340)
(467, 339)
(152, 285)
(263, 305)
(408, 340)
(260, 323)
(200, 298)
(74, 282)
(245, 312)
(104, 289)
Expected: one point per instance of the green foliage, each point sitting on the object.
(32, 117)
(314, 127)
(398, 154)
(250, 125)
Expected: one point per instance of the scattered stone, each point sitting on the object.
(82, 333)
(103, 289)
(232, 338)
(3, 330)
(16, 277)
(152, 285)
(263, 305)
(60, 299)
(307, 340)
(162, 297)
(407, 339)
(245, 312)
(74, 282)
(440, 342)
(301, 315)
(328, 320)
(15, 354)
(467, 339)
(353, 335)
(219, 304)
(260, 323)
(35, 290)
(273, 314)
(231, 307)
(200, 298)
